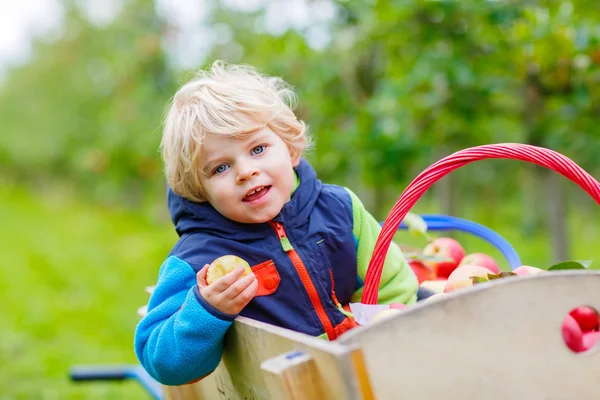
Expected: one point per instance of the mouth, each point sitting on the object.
(256, 193)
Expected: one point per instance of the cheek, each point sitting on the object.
(215, 192)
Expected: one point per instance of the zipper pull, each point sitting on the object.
(285, 242)
(278, 229)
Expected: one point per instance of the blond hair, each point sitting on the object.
(224, 101)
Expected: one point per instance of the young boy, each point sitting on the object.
(239, 185)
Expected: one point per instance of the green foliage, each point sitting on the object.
(397, 85)
(88, 107)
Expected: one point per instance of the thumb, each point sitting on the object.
(201, 277)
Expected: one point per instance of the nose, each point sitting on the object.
(245, 172)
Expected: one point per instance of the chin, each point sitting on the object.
(252, 221)
(262, 218)
(258, 218)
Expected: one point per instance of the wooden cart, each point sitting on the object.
(497, 340)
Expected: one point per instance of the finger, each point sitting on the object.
(221, 284)
(239, 286)
(201, 277)
(246, 295)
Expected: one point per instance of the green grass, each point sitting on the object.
(73, 274)
(72, 278)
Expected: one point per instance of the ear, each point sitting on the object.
(295, 157)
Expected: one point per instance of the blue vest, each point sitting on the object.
(304, 259)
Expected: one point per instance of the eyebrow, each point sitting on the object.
(262, 135)
(205, 169)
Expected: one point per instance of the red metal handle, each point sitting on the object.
(533, 154)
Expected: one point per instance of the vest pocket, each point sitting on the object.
(268, 278)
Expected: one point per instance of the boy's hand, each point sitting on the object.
(230, 293)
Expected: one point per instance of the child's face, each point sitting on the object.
(248, 180)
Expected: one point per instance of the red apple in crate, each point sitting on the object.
(445, 248)
(462, 277)
(572, 334)
(590, 339)
(586, 317)
(422, 271)
(524, 270)
(481, 259)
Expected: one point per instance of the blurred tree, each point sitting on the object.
(433, 73)
(554, 47)
(86, 109)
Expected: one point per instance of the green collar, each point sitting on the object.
(296, 181)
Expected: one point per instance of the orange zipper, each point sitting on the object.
(306, 280)
(335, 299)
(333, 296)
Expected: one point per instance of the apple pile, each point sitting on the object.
(442, 256)
(444, 266)
(580, 328)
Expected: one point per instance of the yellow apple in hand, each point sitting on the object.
(224, 265)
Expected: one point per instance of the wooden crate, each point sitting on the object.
(498, 340)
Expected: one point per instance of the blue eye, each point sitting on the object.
(258, 150)
(221, 168)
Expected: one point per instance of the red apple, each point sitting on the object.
(446, 248)
(524, 270)
(572, 335)
(586, 317)
(481, 259)
(422, 271)
(462, 276)
(590, 339)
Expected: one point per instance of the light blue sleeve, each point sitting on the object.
(181, 337)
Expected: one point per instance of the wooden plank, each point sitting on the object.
(183, 392)
(362, 376)
(248, 343)
(497, 340)
(293, 376)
